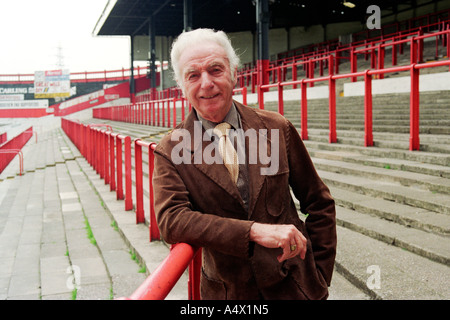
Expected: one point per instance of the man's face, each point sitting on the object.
(205, 73)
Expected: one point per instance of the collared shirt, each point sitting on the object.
(234, 119)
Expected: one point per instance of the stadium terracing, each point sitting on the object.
(372, 109)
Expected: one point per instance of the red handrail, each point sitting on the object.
(99, 151)
(156, 112)
(86, 76)
(161, 281)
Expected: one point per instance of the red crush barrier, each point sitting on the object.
(12, 147)
(11, 151)
(3, 137)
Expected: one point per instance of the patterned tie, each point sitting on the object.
(227, 151)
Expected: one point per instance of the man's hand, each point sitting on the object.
(284, 236)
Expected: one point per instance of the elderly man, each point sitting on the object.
(240, 209)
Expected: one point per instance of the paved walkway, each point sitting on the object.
(58, 239)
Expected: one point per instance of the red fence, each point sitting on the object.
(279, 70)
(110, 155)
(87, 76)
(11, 148)
(3, 137)
(160, 112)
(413, 69)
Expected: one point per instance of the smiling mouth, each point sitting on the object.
(210, 97)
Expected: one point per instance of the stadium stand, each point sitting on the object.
(389, 175)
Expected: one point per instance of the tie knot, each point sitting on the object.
(221, 129)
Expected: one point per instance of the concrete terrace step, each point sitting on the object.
(401, 214)
(420, 242)
(389, 191)
(381, 140)
(401, 274)
(423, 181)
(399, 154)
(383, 162)
(49, 149)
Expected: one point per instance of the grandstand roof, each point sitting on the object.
(131, 17)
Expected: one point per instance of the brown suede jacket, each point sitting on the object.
(197, 203)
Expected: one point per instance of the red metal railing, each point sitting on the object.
(153, 227)
(3, 159)
(3, 137)
(162, 280)
(86, 76)
(12, 147)
(103, 149)
(279, 70)
(368, 136)
(160, 112)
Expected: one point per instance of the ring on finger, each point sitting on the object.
(293, 247)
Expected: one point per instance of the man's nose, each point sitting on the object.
(207, 81)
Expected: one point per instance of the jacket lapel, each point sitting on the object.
(217, 172)
(250, 120)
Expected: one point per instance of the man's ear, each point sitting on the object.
(235, 76)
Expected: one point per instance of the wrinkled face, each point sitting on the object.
(206, 76)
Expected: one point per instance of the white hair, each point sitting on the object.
(197, 36)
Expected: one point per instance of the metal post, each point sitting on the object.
(128, 183)
(262, 21)
(153, 228)
(112, 174)
(332, 105)
(138, 179)
(151, 32)
(414, 143)
(368, 133)
(187, 15)
(304, 110)
(132, 88)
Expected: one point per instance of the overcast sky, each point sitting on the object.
(31, 31)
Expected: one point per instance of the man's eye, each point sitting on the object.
(192, 76)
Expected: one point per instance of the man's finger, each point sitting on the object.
(301, 245)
